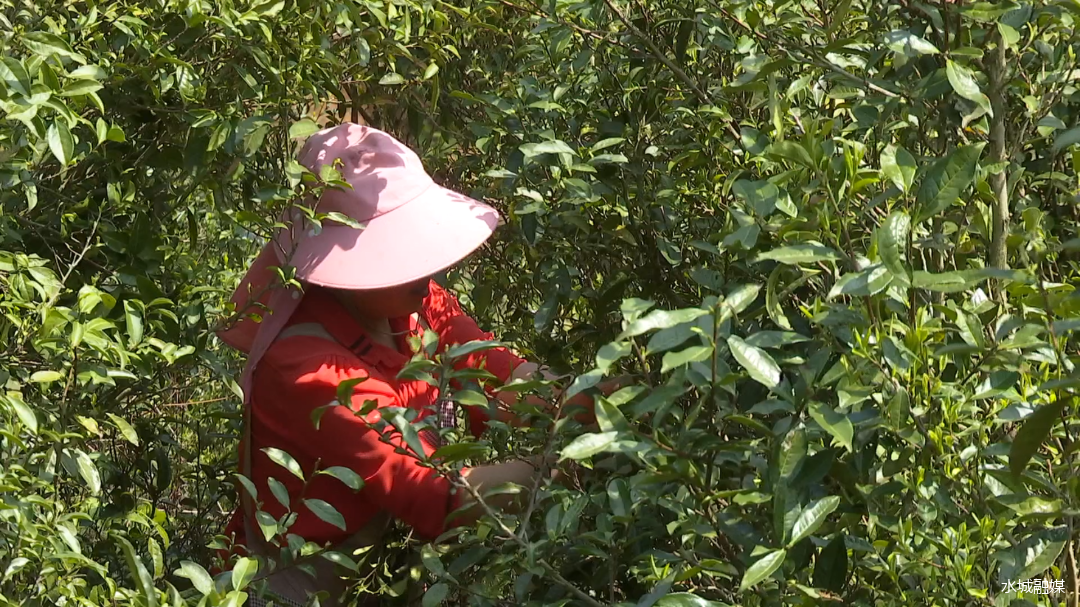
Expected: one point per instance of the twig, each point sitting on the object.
(196, 402)
(555, 575)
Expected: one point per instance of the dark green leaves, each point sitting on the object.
(435, 595)
(947, 179)
(142, 578)
(1036, 428)
(326, 512)
(831, 567)
(963, 82)
(761, 196)
(835, 423)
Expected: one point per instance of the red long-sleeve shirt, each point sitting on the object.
(299, 374)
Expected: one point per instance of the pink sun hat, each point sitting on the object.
(411, 228)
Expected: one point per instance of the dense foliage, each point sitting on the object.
(835, 243)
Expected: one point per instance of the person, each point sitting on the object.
(365, 286)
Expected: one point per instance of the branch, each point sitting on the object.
(999, 182)
(555, 575)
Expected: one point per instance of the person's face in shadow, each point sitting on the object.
(390, 302)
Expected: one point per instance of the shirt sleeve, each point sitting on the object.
(395, 482)
(444, 314)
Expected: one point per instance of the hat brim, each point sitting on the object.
(414, 241)
(417, 240)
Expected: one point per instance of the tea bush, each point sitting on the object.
(835, 244)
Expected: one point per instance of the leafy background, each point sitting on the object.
(836, 243)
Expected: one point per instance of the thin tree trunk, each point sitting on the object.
(999, 183)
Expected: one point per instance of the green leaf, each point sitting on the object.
(391, 79)
(546, 147)
(200, 579)
(811, 518)
(685, 599)
(243, 572)
(947, 180)
(661, 319)
(280, 491)
(908, 44)
(129, 433)
(248, 486)
(775, 339)
(397, 418)
(892, 238)
(462, 350)
(609, 417)
(588, 445)
(800, 253)
(143, 580)
(351, 479)
(269, 9)
(963, 82)
(134, 321)
(674, 360)
(946, 282)
(831, 567)
(738, 300)
(435, 595)
(455, 452)
(1036, 428)
(760, 195)
(772, 300)
(1066, 139)
(267, 524)
(14, 75)
(836, 424)
(303, 128)
(326, 513)
(47, 44)
(23, 411)
(1040, 551)
(868, 281)
(763, 568)
(791, 151)
(88, 471)
(470, 397)
(898, 165)
(284, 460)
(344, 219)
(78, 87)
(44, 377)
(60, 142)
(756, 361)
